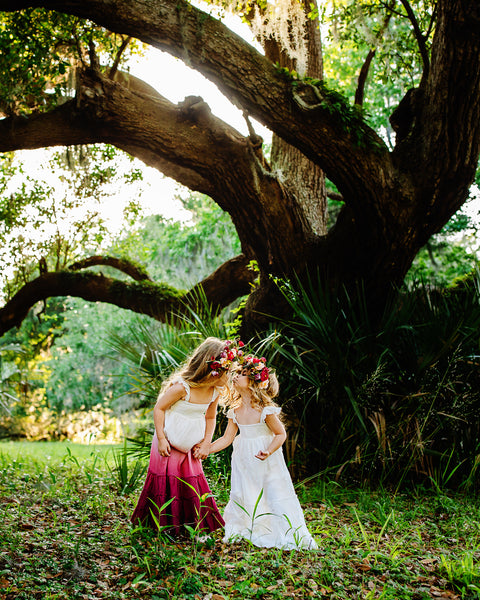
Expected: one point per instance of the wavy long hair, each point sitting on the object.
(260, 397)
(195, 370)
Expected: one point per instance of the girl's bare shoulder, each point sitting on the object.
(174, 392)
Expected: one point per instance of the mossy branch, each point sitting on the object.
(312, 94)
(133, 270)
(157, 300)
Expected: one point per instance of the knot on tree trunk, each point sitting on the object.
(90, 91)
(195, 109)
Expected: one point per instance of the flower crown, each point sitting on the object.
(257, 370)
(221, 363)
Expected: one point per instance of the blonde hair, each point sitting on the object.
(195, 370)
(260, 397)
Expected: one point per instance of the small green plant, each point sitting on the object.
(463, 573)
(197, 533)
(254, 516)
(372, 542)
(297, 537)
(127, 479)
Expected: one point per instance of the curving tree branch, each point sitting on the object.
(418, 36)
(247, 78)
(187, 135)
(156, 300)
(230, 281)
(362, 77)
(114, 68)
(393, 201)
(189, 144)
(136, 272)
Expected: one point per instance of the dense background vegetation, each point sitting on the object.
(408, 391)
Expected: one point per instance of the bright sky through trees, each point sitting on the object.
(156, 193)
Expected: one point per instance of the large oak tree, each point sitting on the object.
(394, 198)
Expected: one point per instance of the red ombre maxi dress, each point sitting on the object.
(179, 476)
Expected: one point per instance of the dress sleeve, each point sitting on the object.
(270, 410)
(186, 386)
(231, 415)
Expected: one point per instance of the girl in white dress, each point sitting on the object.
(263, 506)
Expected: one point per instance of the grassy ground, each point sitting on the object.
(65, 534)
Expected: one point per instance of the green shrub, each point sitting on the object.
(382, 397)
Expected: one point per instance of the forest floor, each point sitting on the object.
(65, 534)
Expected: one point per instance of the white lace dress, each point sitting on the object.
(263, 506)
(185, 421)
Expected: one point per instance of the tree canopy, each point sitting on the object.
(399, 181)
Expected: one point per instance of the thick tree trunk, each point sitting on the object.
(393, 201)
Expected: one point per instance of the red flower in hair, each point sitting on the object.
(264, 374)
(223, 361)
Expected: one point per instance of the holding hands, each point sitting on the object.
(201, 450)
(163, 446)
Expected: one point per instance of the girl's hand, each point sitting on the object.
(262, 455)
(163, 447)
(201, 450)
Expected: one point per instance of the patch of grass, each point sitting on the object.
(53, 451)
(66, 535)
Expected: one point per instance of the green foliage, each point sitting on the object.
(352, 30)
(440, 262)
(83, 374)
(154, 351)
(463, 573)
(20, 350)
(54, 218)
(451, 253)
(67, 366)
(383, 397)
(183, 253)
(127, 478)
(8, 370)
(39, 52)
(351, 118)
(27, 64)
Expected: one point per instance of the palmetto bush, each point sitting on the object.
(153, 351)
(390, 397)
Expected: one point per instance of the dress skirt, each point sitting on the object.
(263, 506)
(176, 493)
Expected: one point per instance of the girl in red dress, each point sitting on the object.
(176, 492)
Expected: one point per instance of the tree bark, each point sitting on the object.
(246, 77)
(158, 301)
(394, 201)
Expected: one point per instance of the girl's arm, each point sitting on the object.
(174, 393)
(202, 449)
(277, 428)
(226, 439)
